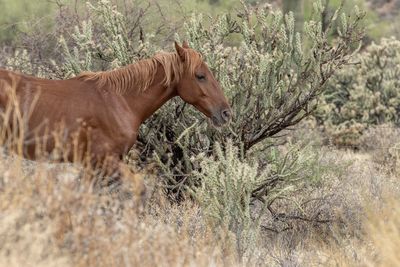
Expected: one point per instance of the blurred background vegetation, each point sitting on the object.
(21, 17)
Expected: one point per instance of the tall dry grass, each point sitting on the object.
(49, 221)
(52, 215)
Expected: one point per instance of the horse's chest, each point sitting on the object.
(118, 134)
(124, 141)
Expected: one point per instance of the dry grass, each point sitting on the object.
(51, 215)
(347, 218)
(48, 217)
(47, 220)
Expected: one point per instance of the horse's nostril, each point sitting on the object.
(226, 114)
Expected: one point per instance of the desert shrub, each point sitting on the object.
(224, 193)
(382, 142)
(21, 61)
(230, 184)
(376, 247)
(87, 26)
(272, 76)
(104, 42)
(363, 94)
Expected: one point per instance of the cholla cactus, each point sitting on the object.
(272, 76)
(21, 61)
(110, 45)
(230, 183)
(226, 186)
(80, 58)
(364, 94)
(115, 36)
(269, 78)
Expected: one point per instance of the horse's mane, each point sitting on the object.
(140, 75)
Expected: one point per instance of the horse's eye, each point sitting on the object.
(200, 77)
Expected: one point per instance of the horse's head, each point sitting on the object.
(198, 87)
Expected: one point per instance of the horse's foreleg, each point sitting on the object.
(113, 173)
(107, 173)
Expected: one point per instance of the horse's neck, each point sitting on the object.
(145, 103)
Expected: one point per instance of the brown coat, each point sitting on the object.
(99, 114)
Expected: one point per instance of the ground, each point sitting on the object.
(348, 218)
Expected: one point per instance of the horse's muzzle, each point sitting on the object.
(222, 117)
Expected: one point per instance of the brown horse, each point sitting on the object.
(102, 112)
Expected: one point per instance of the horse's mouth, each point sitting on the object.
(218, 123)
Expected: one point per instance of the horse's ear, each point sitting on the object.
(185, 44)
(180, 50)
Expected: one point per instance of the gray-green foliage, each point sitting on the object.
(112, 45)
(225, 195)
(80, 57)
(229, 183)
(363, 94)
(21, 61)
(272, 78)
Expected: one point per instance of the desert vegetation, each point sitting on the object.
(306, 174)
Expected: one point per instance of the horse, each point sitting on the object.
(101, 112)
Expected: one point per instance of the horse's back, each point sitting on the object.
(13, 78)
(48, 105)
(69, 89)
(50, 100)
(78, 106)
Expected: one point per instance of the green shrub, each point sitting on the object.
(110, 46)
(272, 76)
(382, 142)
(225, 193)
(363, 94)
(230, 183)
(21, 61)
